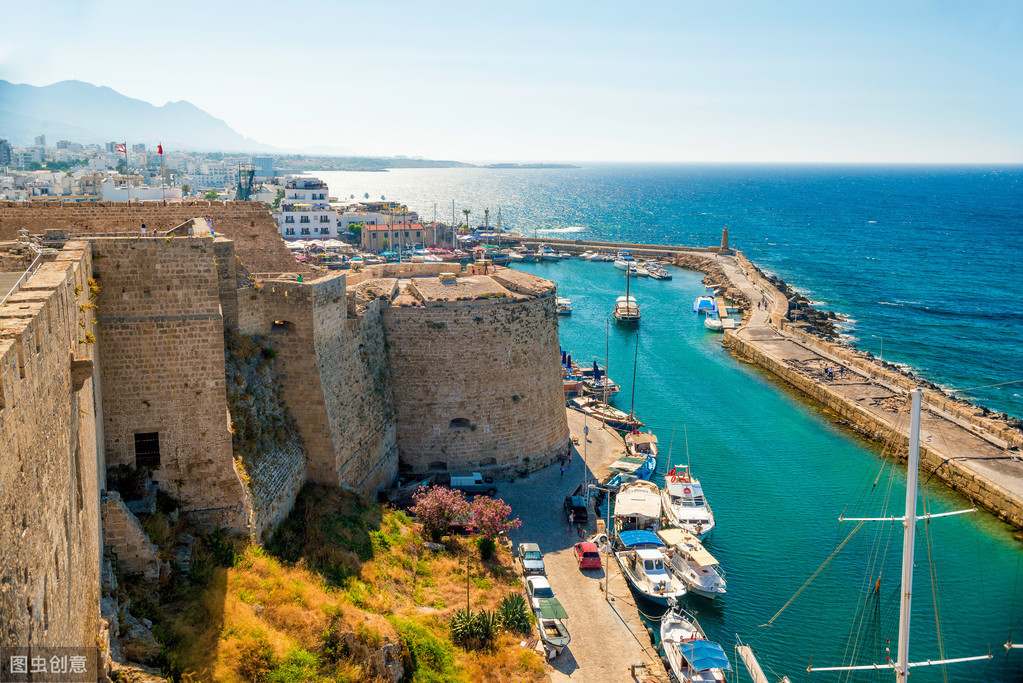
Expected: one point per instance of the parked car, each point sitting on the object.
(531, 559)
(537, 587)
(587, 555)
(474, 483)
(576, 505)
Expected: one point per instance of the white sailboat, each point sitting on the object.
(901, 665)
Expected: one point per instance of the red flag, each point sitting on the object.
(159, 148)
(122, 147)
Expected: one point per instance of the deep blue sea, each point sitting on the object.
(924, 262)
(929, 276)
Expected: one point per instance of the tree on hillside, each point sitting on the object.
(211, 195)
(437, 507)
(185, 189)
(490, 519)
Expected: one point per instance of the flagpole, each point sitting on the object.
(163, 173)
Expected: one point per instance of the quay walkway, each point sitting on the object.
(608, 636)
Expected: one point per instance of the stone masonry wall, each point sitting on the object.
(49, 461)
(161, 337)
(335, 378)
(258, 243)
(478, 386)
(985, 492)
(123, 533)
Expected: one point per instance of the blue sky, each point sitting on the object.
(642, 81)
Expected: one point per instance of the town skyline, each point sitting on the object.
(913, 83)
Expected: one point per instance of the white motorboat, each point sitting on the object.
(641, 555)
(564, 255)
(713, 323)
(705, 304)
(564, 306)
(684, 504)
(586, 255)
(691, 657)
(638, 507)
(624, 260)
(693, 564)
(545, 253)
(595, 256)
(659, 272)
(640, 271)
(550, 621)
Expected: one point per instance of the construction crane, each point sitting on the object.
(246, 174)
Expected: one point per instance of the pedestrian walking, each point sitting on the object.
(570, 457)
(562, 469)
(571, 521)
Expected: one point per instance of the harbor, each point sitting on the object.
(762, 452)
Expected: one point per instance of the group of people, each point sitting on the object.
(830, 371)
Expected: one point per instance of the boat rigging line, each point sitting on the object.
(813, 576)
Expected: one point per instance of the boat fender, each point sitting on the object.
(650, 632)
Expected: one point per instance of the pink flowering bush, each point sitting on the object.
(437, 507)
(490, 518)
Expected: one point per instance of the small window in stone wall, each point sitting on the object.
(459, 423)
(147, 450)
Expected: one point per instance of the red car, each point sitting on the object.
(587, 555)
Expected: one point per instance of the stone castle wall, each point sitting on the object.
(161, 340)
(50, 467)
(335, 378)
(258, 243)
(478, 386)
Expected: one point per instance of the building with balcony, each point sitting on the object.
(305, 211)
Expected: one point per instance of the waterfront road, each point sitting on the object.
(608, 637)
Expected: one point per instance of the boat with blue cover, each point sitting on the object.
(643, 559)
(705, 304)
(691, 657)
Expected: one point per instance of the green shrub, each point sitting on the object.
(513, 613)
(487, 547)
(475, 630)
(298, 666)
(425, 657)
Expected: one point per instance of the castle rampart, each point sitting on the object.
(161, 335)
(50, 466)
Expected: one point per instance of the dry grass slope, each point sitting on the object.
(342, 575)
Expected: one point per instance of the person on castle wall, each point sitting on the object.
(143, 228)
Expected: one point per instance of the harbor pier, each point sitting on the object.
(971, 450)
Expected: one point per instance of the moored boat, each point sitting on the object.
(693, 564)
(705, 304)
(713, 323)
(564, 306)
(684, 503)
(691, 657)
(641, 555)
(624, 259)
(610, 416)
(550, 622)
(637, 507)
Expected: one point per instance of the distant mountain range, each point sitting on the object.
(86, 113)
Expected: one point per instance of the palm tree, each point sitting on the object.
(466, 212)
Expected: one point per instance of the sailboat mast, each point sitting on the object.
(909, 537)
(635, 362)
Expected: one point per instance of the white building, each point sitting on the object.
(305, 211)
(112, 193)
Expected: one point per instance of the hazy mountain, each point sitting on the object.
(82, 112)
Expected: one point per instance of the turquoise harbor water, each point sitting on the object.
(924, 261)
(778, 474)
(928, 259)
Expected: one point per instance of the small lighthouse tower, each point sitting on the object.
(724, 239)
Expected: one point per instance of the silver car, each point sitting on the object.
(531, 558)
